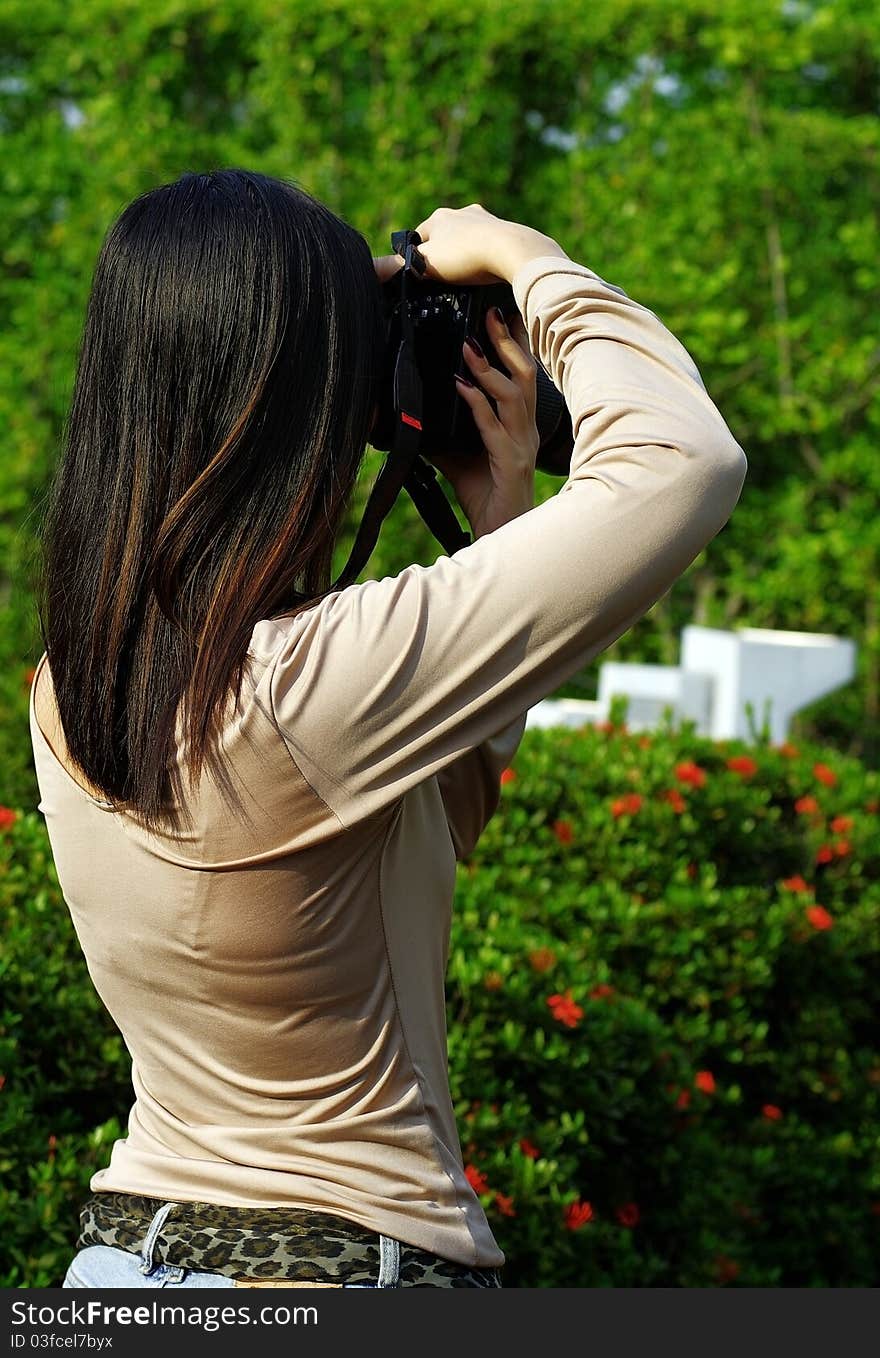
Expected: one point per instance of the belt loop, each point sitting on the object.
(389, 1262)
(146, 1265)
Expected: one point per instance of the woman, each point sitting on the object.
(257, 787)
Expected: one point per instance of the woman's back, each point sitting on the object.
(280, 991)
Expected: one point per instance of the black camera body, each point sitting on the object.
(439, 316)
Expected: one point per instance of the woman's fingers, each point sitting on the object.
(512, 447)
(514, 395)
(485, 418)
(513, 349)
(517, 328)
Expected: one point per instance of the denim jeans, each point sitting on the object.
(107, 1266)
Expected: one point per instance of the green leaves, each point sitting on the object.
(707, 1071)
(707, 996)
(720, 164)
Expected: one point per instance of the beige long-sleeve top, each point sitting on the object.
(281, 989)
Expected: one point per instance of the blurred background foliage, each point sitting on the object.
(719, 163)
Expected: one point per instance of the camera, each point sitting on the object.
(437, 316)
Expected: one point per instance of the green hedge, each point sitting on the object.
(584, 120)
(662, 1021)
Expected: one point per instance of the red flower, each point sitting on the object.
(772, 1112)
(7, 817)
(493, 980)
(528, 1149)
(824, 853)
(563, 831)
(2, 1081)
(507, 775)
(825, 775)
(689, 772)
(683, 1099)
(819, 917)
(29, 677)
(841, 824)
(842, 847)
(565, 1010)
(577, 1214)
(504, 1205)
(673, 796)
(742, 763)
(477, 1180)
(628, 1214)
(795, 884)
(705, 1080)
(726, 1269)
(644, 742)
(626, 805)
(601, 992)
(789, 751)
(805, 805)
(542, 959)
(872, 806)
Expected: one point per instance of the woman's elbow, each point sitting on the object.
(733, 465)
(721, 462)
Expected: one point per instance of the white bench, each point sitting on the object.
(720, 672)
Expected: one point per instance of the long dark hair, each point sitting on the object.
(227, 373)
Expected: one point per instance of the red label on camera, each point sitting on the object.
(410, 419)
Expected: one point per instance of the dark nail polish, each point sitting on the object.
(463, 380)
(498, 314)
(475, 345)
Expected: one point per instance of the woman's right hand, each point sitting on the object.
(471, 245)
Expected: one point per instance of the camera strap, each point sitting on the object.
(403, 468)
(427, 495)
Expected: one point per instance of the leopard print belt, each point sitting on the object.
(265, 1243)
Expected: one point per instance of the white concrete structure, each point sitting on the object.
(779, 673)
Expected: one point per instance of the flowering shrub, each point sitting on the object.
(662, 1021)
